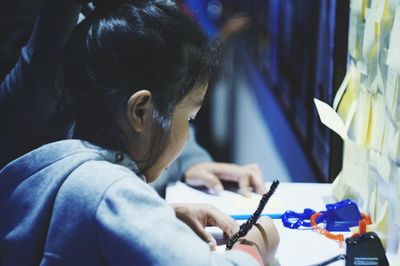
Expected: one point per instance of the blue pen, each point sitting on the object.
(247, 216)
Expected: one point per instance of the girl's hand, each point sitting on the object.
(198, 216)
(209, 174)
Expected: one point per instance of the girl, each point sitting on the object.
(136, 72)
(26, 90)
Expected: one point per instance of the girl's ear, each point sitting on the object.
(140, 109)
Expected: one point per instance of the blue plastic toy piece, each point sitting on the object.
(341, 215)
(294, 220)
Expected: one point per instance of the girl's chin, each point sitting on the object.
(152, 176)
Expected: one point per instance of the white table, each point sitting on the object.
(297, 247)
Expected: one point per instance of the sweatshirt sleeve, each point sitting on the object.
(27, 89)
(56, 21)
(135, 226)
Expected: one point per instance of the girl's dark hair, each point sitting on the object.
(125, 46)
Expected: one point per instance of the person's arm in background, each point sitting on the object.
(26, 94)
(196, 167)
(40, 55)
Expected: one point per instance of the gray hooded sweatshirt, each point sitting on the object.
(73, 203)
